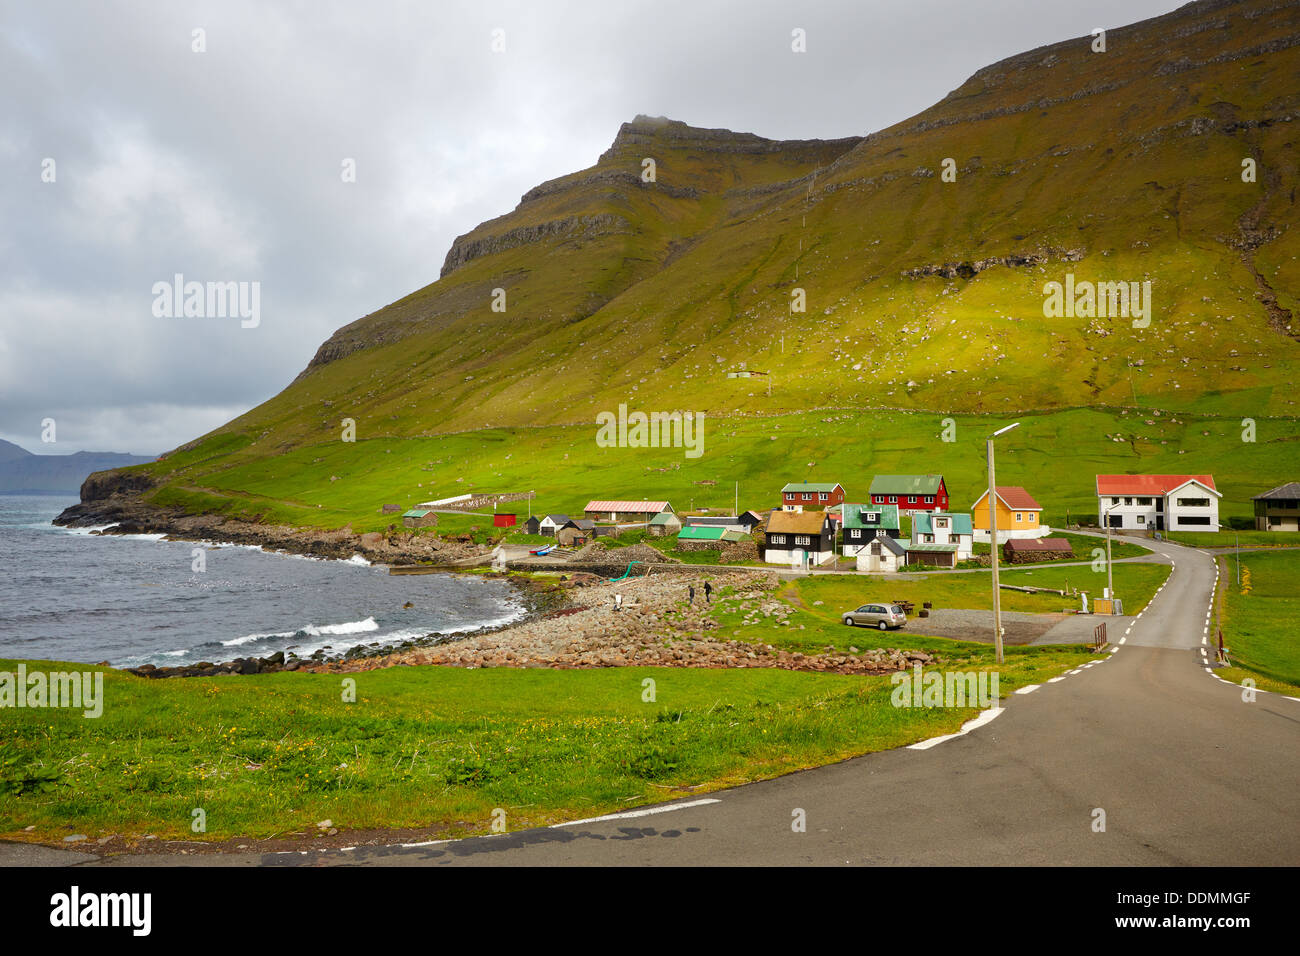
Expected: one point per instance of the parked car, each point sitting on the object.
(882, 616)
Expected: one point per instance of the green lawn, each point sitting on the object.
(1260, 619)
(433, 747)
(1231, 539)
(821, 624)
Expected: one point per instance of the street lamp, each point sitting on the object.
(993, 540)
(1110, 583)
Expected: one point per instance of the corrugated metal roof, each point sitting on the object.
(797, 486)
(648, 507)
(665, 517)
(906, 484)
(700, 533)
(932, 547)
(856, 516)
(415, 513)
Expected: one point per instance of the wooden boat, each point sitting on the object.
(539, 552)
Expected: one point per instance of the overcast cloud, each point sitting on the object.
(225, 165)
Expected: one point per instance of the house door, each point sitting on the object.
(873, 560)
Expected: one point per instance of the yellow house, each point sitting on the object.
(1019, 515)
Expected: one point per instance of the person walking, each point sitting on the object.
(708, 590)
(691, 591)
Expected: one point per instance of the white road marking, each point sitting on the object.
(1028, 688)
(1053, 680)
(649, 811)
(980, 721)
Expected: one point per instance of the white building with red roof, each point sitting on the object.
(1158, 502)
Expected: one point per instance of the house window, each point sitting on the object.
(1144, 501)
(807, 496)
(1033, 518)
(1019, 516)
(1142, 519)
(941, 522)
(928, 538)
(1114, 501)
(1194, 519)
(929, 499)
(893, 498)
(1193, 502)
(911, 499)
(776, 539)
(822, 496)
(1128, 501)
(873, 517)
(802, 540)
(855, 533)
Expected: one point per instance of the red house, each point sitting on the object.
(910, 492)
(811, 496)
(504, 519)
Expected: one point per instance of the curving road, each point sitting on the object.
(1185, 771)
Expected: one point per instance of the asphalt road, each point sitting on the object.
(1185, 771)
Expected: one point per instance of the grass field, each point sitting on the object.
(1261, 619)
(1233, 539)
(435, 747)
(222, 474)
(813, 627)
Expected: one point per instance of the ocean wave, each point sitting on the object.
(351, 627)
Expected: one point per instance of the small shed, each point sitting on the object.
(419, 518)
(882, 553)
(1030, 550)
(665, 523)
(504, 519)
(934, 555)
(532, 524)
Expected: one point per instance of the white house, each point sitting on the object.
(1158, 502)
(551, 524)
(883, 553)
(941, 527)
(800, 539)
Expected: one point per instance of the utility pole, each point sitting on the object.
(993, 539)
(1110, 583)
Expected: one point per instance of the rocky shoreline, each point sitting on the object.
(571, 622)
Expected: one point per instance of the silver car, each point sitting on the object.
(882, 616)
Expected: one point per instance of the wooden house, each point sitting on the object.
(1018, 514)
(944, 528)
(532, 525)
(860, 524)
(811, 496)
(912, 493)
(550, 524)
(882, 553)
(800, 539)
(1278, 509)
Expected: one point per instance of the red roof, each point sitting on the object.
(1147, 484)
(634, 507)
(1014, 497)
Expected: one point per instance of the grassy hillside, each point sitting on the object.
(1055, 455)
(922, 295)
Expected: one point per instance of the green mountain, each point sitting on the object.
(922, 294)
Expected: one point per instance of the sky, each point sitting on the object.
(326, 155)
